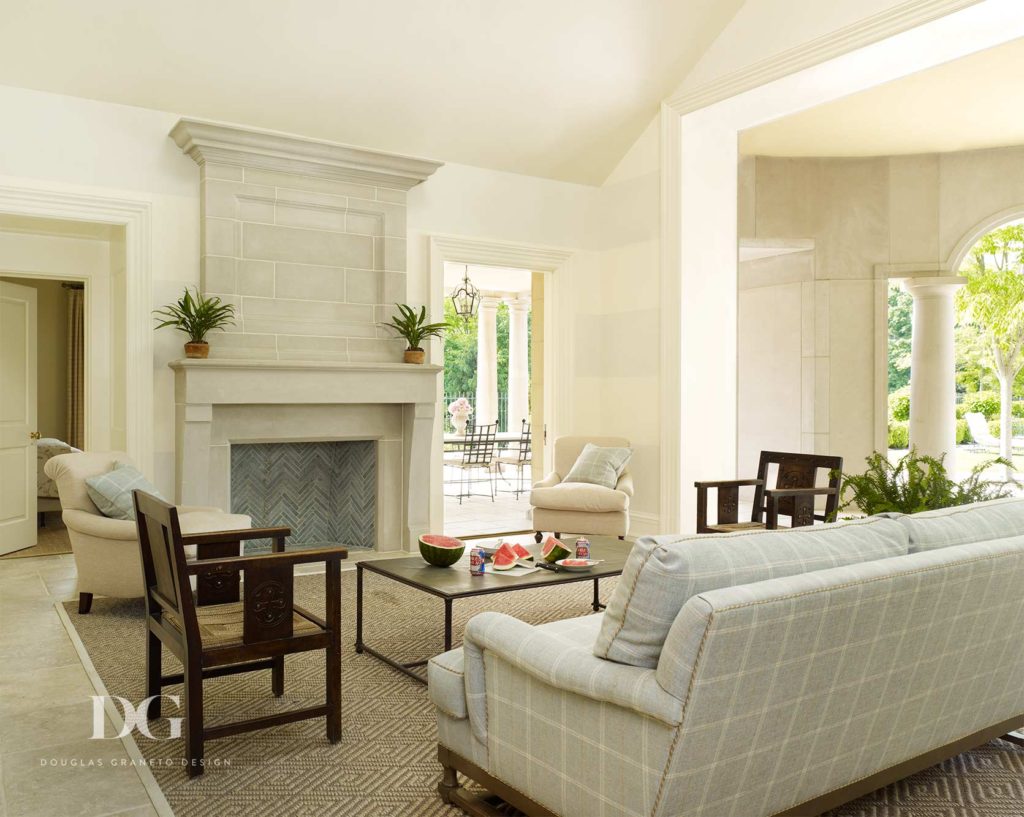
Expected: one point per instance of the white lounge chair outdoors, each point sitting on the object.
(984, 440)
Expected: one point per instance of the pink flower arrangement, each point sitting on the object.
(460, 406)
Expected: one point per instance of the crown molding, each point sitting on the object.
(864, 32)
(268, 150)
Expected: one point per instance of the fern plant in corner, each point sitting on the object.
(917, 482)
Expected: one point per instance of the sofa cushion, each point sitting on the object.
(598, 465)
(663, 572)
(978, 522)
(578, 496)
(446, 673)
(112, 492)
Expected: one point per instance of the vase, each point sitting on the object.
(459, 420)
(199, 349)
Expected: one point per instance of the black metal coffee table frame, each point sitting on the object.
(612, 567)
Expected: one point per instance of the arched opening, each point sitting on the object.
(989, 345)
(977, 295)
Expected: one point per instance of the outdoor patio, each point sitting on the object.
(477, 514)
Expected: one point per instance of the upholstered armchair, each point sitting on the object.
(577, 507)
(106, 550)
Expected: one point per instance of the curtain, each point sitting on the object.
(76, 368)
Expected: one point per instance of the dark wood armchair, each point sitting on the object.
(794, 494)
(219, 630)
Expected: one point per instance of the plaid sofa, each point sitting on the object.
(765, 694)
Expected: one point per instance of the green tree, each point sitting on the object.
(459, 354)
(901, 309)
(993, 301)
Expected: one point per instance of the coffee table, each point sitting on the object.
(456, 582)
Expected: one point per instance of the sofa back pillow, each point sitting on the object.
(112, 492)
(663, 572)
(977, 522)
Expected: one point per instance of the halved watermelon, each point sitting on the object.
(505, 557)
(554, 550)
(523, 554)
(441, 551)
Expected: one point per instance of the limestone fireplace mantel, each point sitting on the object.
(306, 401)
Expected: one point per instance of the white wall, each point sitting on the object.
(617, 350)
(865, 214)
(69, 143)
(776, 355)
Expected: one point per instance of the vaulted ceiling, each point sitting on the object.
(553, 88)
(970, 103)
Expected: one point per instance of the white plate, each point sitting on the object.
(577, 568)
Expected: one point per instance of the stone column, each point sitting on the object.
(932, 366)
(486, 362)
(518, 363)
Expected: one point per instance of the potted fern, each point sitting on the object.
(917, 482)
(196, 315)
(413, 327)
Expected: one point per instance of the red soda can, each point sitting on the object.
(582, 548)
(476, 562)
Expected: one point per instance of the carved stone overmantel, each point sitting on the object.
(269, 150)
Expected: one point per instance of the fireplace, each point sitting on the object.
(247, 414)
(307, 240)
(326, 492)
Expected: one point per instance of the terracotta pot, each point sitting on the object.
(197, 350)
(415, 355)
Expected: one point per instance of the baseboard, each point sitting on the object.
(644, 524)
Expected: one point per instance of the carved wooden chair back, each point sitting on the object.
(797, 471)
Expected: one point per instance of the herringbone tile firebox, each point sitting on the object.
(326, 492)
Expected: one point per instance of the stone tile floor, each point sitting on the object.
(49, 763)
(477, 514)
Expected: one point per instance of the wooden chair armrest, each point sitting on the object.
(297, 557)
(227, 536)
(784, 492)
(728, 483)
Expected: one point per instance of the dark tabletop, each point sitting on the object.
(457, 582)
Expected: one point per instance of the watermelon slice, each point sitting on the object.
(505, 557)
(554, 550)
(441, 551)
(523, 554)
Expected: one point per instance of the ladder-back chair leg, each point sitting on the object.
(154, 658)
(194, 718)
(277, 676)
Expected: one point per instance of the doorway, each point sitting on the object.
(63, 374)
(493, 397)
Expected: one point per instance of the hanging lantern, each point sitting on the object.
(466, 299)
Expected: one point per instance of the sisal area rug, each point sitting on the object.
(385, 765)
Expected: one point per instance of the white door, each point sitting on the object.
(17, 417)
